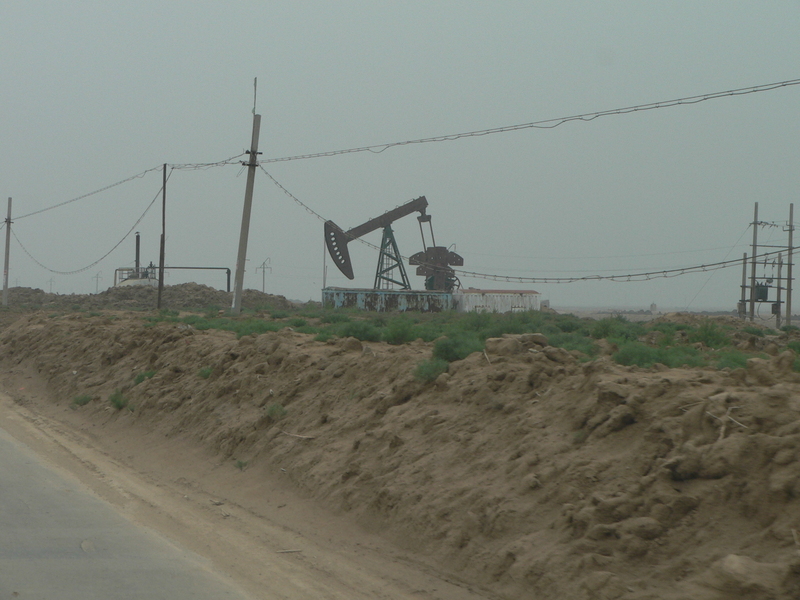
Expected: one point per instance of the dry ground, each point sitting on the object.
(522, 472)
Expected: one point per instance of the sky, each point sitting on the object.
(94, 93)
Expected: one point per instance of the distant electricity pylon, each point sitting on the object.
(97, 279)
(264, 266)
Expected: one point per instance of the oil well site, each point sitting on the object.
(402, 301)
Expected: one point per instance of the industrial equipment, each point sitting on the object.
(434, 262)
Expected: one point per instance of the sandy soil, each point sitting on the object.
(522, 471)
(271, 541)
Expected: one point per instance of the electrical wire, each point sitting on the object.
(185, 166)
(631, 277)
(597, 257)
(233, 160)
(547, 123)
(311, 211)
(86, 268)
(702, 287)
(108, 187)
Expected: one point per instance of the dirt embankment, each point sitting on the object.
(142, 297)
(521, 470)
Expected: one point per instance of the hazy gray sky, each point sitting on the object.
(94, 92)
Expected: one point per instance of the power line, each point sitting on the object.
(103, 189)
(310, 210)
(631, 277)
(597, 257)
(547, 123)
(233, 160)
(184, 166)
(87, 267)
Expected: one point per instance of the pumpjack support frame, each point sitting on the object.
(390, 261)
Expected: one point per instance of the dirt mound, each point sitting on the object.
(521, 469)
(186, 296)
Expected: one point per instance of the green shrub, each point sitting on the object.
(710, 334)
(142, 376)
(458, 346)
(617, 328)
(754, 331)
(574, 341)
(309, 329)
(732, 359)
(362, 330)
(569, 324)
(400, 330)
(276, 412)
(212, 312)
(794, 345)
(642, 355)
(205, 372)
(82, 400)
(279, 314)
(323, 336)
(429, 370)
(335, 317)
(297, 322)
(118, 400)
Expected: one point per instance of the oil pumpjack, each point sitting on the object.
(434, 262)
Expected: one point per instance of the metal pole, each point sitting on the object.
(778, 299)
(324, 263)
(789, 261)
(238, 283)
(8, 249)
(753, 262)
(163, 237)
(743, 302)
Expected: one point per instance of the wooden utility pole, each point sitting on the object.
(778, 299)
(163, 236)
(753, 262)
(789, 262)
(743, 302)
(238, 284)
(8, 248)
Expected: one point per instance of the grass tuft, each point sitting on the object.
(642, 355)
(276, 412)
(118, 400)
(428, 370)
(82, 400)
(458, 346)
(142, 376)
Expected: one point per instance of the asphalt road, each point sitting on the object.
(60, 542)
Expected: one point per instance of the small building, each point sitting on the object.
(500, 301)
(468, 300)
(387, 300)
